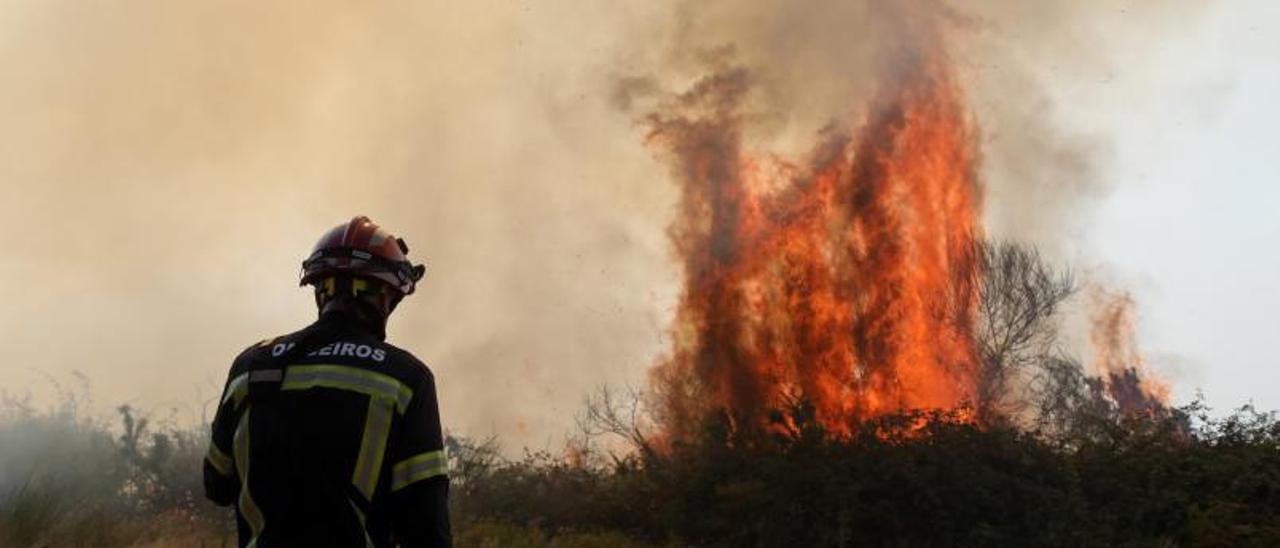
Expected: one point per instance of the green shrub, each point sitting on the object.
(1149, 480)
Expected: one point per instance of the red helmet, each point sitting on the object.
(362, 248)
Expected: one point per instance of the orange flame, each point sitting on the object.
(848, 282)
(1116, 357)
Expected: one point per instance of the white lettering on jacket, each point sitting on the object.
(279, 349)
(343, 349)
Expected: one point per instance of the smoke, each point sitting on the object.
(165, 166)
(1023, 62)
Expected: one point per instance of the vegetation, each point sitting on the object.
(1047, 456)
(1182, 478)
(70, 480)
(1175, 478)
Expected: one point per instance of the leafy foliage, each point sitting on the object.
(1181, 478)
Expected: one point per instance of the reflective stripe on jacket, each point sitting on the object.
(330, 437)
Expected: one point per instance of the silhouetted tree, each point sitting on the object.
(1017, 330)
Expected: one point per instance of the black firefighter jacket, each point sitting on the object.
(330, 437)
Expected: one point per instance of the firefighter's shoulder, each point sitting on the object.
(271, 346)
(406, 364)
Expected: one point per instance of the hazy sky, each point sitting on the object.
(1192, 226)
(165, 166)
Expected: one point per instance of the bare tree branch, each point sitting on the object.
(620, 414)
(1018, 305)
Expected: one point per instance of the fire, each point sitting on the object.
(1116, 358)
(847, 281)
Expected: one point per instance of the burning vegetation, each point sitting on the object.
(857, 281)
(1116, 357)
(854, 362)
(847, 282)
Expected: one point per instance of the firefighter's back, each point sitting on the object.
(316, 414)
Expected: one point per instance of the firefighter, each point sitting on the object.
(330, 436)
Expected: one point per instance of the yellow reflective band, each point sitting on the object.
(220, 461)
(377, 385)
(419, 467)
(329, 289)
(240, 447)
(238, 388)
(358, 285)
(373, 446)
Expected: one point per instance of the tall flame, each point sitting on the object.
(847, 281)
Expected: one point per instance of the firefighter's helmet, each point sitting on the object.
(361, 248)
